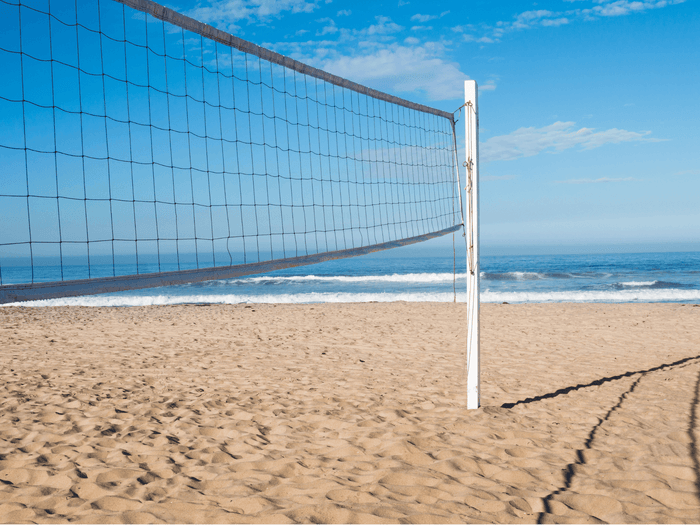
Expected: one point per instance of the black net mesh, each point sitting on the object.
(131, 146)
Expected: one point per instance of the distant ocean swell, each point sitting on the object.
(604, 278)
(416, 278)
(411, 277)
(430, 278)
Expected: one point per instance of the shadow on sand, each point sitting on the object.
(570, 469)
(598, 382)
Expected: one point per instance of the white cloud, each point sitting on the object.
(554, 22)
(384, 57)
(527, 18)
(489, 85)
(422, 18)
(546, 18)
(482, 40)
(402, 69)
(421, 28)
(329, 29)
(309, 52)
(344, 12)
(527, 142)
(625, 7)
(226, 14)
(596, 181)
(530, 19)
(463, 28)
(383, 26)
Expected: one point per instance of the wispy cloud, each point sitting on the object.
(625, 7)
(383, 26)
(423, 18)
(402, 69)
(329, 28)
(229, 14)
(560, 136)
(530, 19)
(226, 14)
(383, 57)
(480, 40)
(596, 181)
(427, 18)
(463, 28)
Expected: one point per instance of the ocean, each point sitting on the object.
(401, 275)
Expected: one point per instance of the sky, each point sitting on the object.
(588, 126)
(588, 108)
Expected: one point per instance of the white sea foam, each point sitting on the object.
(395, 278)
(513, 276)
(617, 296)
(302, 298)
(639, 283)
(594, 296)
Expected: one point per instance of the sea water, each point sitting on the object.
(419, 277)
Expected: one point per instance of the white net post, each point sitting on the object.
(471, 125)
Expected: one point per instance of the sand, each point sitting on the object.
(349, 413)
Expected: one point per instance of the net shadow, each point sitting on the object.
(598, 382)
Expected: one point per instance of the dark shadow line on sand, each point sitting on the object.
(598, 382)
(570, 469)
(692, 427)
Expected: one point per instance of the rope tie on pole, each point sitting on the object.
(459, 111)
(469, 164)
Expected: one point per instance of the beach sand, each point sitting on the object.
(349, 413)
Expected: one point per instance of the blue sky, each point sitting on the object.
(588, 109)
(589, 135)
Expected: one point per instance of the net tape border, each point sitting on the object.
(57, 289)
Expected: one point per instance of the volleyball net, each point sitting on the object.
(142, 148)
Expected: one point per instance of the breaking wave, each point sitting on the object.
(609, 296)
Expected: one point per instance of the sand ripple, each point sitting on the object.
(348, 413)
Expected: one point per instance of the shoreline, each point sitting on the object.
(349, 412)
(118, 302)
